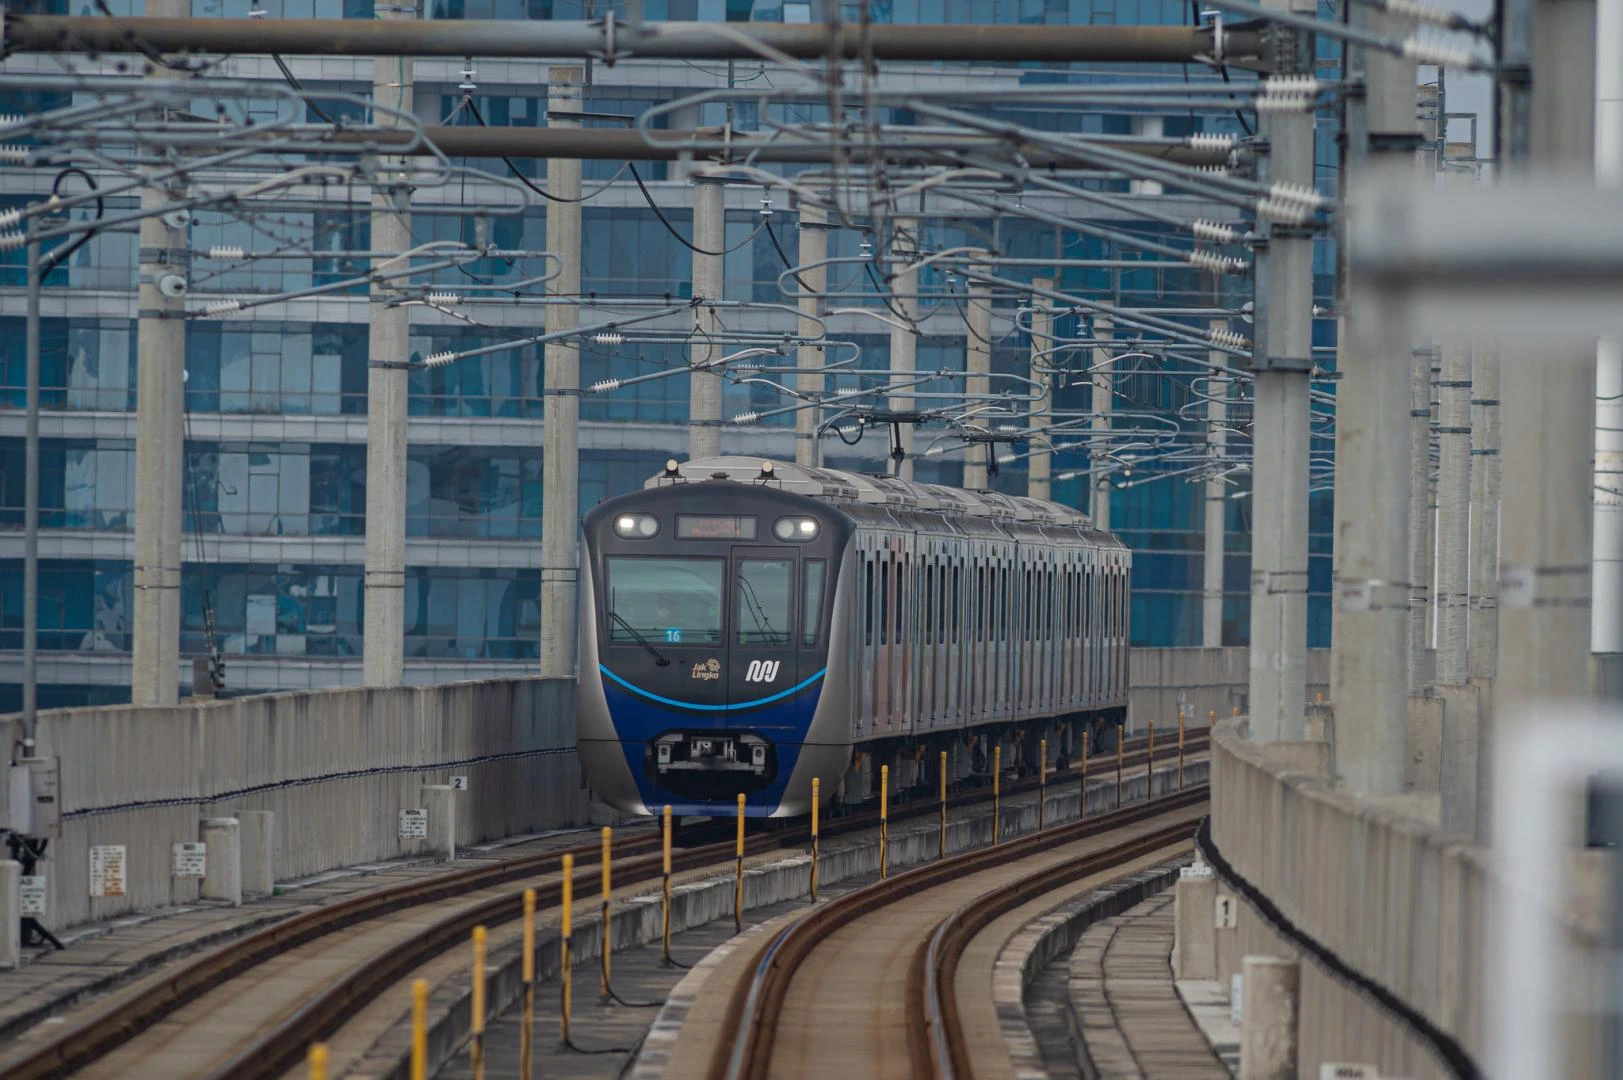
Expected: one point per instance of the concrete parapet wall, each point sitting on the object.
(1203, 681)
(1399, 901)
(335, 766)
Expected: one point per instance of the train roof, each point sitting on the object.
(835, 486)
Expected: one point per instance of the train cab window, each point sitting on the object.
(762, 617)
(670, 601)
(811, 604)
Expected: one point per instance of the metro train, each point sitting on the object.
(749, 625)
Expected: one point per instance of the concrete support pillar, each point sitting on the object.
(979, 364)
(257, 828)
(1606, 627)
(11, 913)
(560, 432)
(1194, 906)
(440, 802)
(1217, 409)
(710, 237)
(222, 860)
(1101, 405)
(904, 342)
(1040, 465)
(165, 260)
(813, 284)
(1268, 1012)
(1453, 515)
(1369, 680)
(388, 350)
(1482, 646)
(1420, 545)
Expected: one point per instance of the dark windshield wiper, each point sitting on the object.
(758, 613)
(632, 630)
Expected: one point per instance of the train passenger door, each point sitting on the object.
(762, 658)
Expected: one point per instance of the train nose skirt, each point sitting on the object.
(711, 764)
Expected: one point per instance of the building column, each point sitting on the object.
(1606, 630)
(560, 432)
(813, 284)
(1453, 515)
(1101, 403)
(904, 341)
(1420, 545)
(1217, 411)
(1040, 465)
(165, 260)
(710, 238)
(1482, 640)
(388, 350)
(1282, 359)
(977, 386)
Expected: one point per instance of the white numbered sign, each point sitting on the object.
(459, 783)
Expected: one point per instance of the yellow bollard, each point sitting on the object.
(1211, 719)
(1042, 781)
(997, 792)
(419, 1029)
(565, 934)
(1318, 697)
(318, 1061)
(1235, 711)
(941, 840)
(1180, 749)
(1121, 732)
(665, 892)
(738, 882)
(884, 819)
(606, 929)
(526, 1038)
(476, 1046)
(817, 794)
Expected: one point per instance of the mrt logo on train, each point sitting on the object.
(762, 671)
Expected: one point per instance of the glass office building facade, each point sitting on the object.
(275, 459)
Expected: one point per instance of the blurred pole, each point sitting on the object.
(388, 350)
(1453, 514)
(1040, 465)
(1369, 676)
(978, 364)
(1102, 402)
(1419, 513)
(709, 267)
(904, 342)
(1217, 411)
(31, 510)
(1482, 645)
(560, 428)
(1607, 627)
(812, 284)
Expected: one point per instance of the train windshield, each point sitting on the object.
(664, 601)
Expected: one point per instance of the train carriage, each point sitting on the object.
(747, 626)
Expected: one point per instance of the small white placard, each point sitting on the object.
(1235, 984)
(1196, 872)
(31, 895)
(190, 860)
(1341, 1070)
(414, 824)
(107, 870)
(1517, 587)
(459, 783)
(1226, 913)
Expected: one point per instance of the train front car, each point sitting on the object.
(704, 647)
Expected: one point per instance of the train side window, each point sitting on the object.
(977, 613)
(867, 618)
(941, 601)
(884, 600)
(1004, 609)
(811, 606)
(929, 603)
(957, 601)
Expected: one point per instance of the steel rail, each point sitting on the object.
(611, 41)
(277, 1050)
(750, 1028)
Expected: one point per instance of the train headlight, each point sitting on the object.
(636, 526)
(795, 529)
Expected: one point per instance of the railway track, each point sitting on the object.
(249, 1008)
(880, 965)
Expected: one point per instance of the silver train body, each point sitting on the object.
(951, 621)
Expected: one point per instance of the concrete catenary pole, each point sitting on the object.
(1453, 515)
(1606, 630)
(1482, 645)
(560, 432)
(388, 346)
(159, 436)
(1282, 360)
(977, 386)
(1101, 405)
(1217, 411)
(1419, 514)
(904, 341)
(710, 238)
(1369, 680)
(1040, 465)
(31, 504)
(812, 283)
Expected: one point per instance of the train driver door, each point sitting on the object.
(761, 653)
